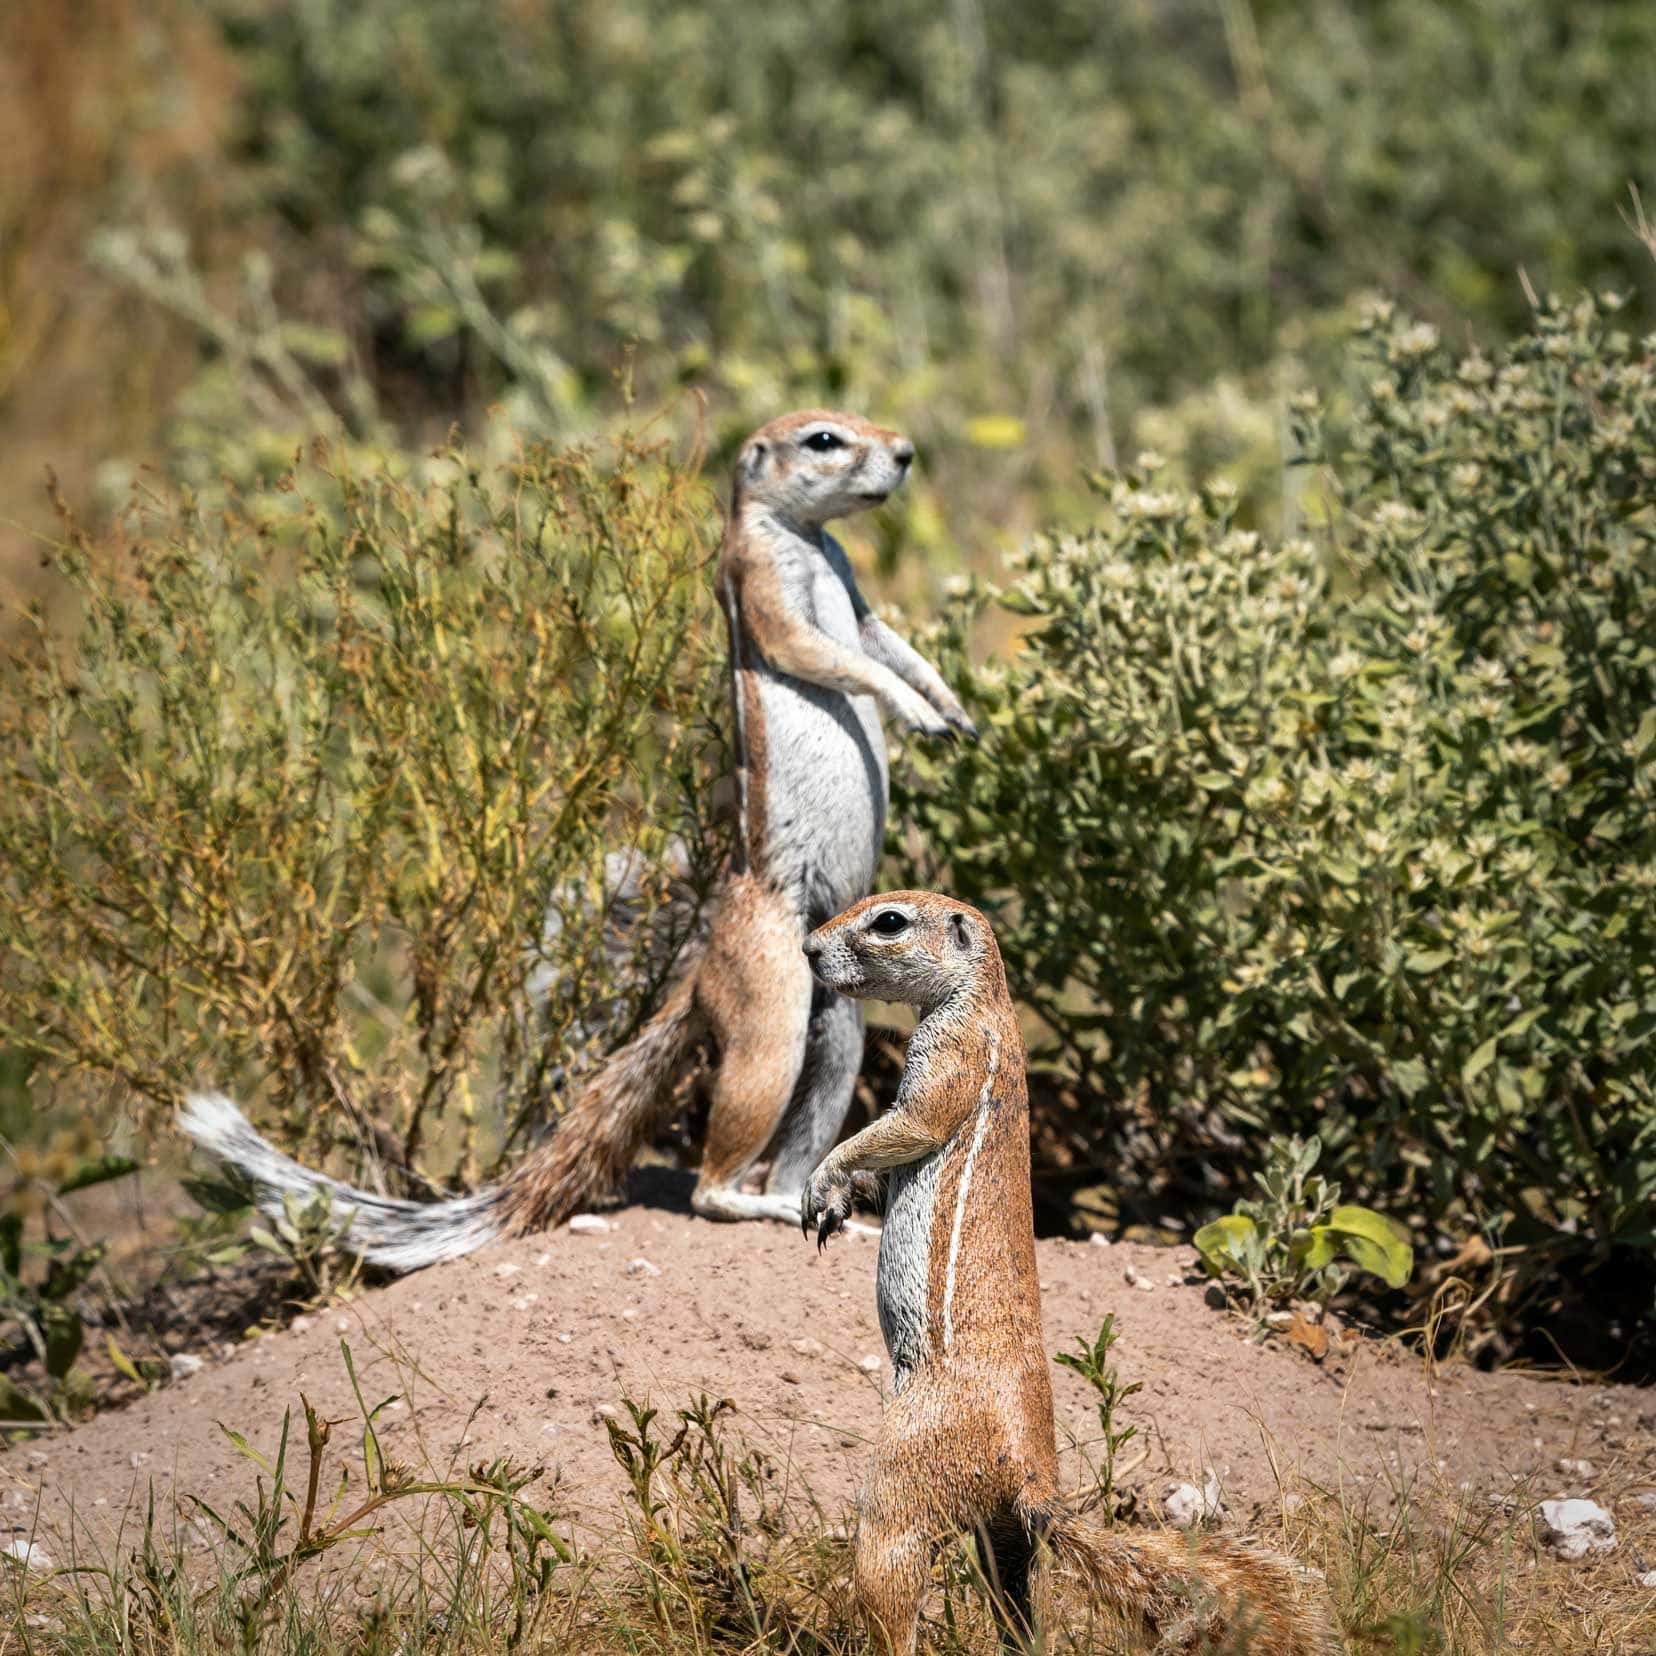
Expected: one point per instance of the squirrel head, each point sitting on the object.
(818, 465)
(916, 947)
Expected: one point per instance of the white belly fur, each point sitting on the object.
(903, 1278)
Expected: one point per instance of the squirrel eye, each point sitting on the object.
(822, 441)
(888, 922)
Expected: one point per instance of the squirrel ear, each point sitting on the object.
(960, 933)
(753, 459)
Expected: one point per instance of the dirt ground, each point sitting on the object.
(521, 1349)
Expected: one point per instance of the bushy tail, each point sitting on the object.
(1196, 1594)
(613, 1112)
(402, 1236)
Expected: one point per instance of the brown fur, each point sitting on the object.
(967, 1443)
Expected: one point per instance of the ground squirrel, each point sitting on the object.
(967, 1443)
(812, 671)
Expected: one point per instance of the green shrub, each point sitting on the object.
(290, 809)
(1353, 835)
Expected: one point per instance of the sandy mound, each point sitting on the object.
(518, 1349)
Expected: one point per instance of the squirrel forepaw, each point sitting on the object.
(825, 1204)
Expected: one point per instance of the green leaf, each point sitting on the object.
(218, 1195)
(1410, 1076)
(16, 1406)
(1227, 1243)
(65, 1333)
(1480, 1060)
(243, 1447)
(99, 1170)
(1428, 960)
(121, 1361)
(1522, 1024)
(1311, 1250)
(1372, 1242)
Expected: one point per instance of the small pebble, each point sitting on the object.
(1575, 1529)
(1186, 1505)
(183, 1364)
(30, 1554)
(869, 1364)
(589, 1224)
(1136, 1279)
(642, 1267)
(808, 1347)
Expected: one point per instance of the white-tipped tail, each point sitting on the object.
(401, 1236)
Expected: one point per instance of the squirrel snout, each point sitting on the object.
(811, 947)
(902, 451)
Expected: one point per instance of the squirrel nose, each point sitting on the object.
(812, 947)
(902, 451)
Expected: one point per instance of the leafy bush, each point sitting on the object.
(1353, 834)
(324, 779)
(1288, 1243)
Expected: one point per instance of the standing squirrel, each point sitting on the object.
(812, 671)
(967, 1442)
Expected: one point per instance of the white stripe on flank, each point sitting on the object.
(965, 1186)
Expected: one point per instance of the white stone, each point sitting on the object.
(1098, 1240)
(183, 1365)
(1186, 1505)
(30, 1554)
(1573, 1468)
(1576, 1528)
(1136, 1279)
(643, 1268)
(869, 1364)
(589, 1224)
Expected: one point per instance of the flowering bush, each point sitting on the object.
(1353, 833)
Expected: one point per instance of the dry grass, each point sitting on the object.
(721, 1552)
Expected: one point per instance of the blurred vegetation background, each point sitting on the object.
(301, 300)
(1040, 236)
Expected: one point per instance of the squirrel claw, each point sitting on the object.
(831, 1221)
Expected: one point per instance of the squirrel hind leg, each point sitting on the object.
(754, 988)
(890, 1572)
(821, 1097)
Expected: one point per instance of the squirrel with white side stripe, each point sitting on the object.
(967, 1443)
(812, 672)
